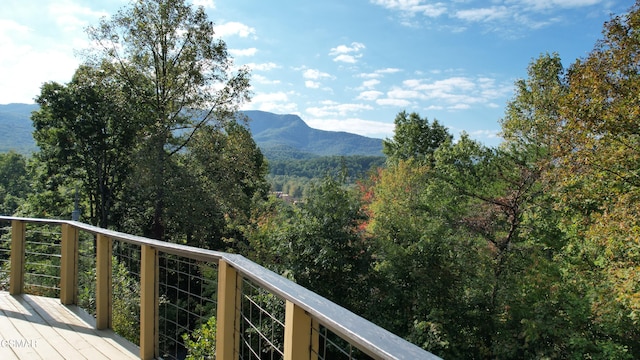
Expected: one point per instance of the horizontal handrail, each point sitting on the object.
(368, 337)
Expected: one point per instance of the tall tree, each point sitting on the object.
(533, 115)
(414, 138)
(598, 157)
(173, 47)
(86, 131)
(226, 172)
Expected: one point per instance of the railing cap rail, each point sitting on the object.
(368, 337)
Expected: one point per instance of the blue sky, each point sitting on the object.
(342, 65)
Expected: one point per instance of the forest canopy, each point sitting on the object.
(530, 249)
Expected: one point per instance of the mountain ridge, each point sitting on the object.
(277, 135)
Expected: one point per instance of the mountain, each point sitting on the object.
(278, 136)
(16, 128)
(281, 133)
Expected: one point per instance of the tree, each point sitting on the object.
(173, 48)
(318, 243)
(86, 131)
(218, 182)
(414, 138)
(14, 182)
(533, 115)
(598, 157)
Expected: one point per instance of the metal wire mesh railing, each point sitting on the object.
(42, 260)
(125, 279)
(261, 323)
(5, 257)
(257, 313)
(187, 289)
(332, 347)
(86, 289)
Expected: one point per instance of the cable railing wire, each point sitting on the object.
(187, 288)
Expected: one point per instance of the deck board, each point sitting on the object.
(34, 327)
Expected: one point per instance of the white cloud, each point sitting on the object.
(243, 52)
(359, 126)
(314, 74)
(347, 53)
(276, 102)
(233, 28)
(454, 93)
(393, 102)
(346, 49)
(370, 84)
(483, 14)
(548, 4)
(27, 61)
(350, 59)
(311, 84)
(413, 7)
(379, 73)
(207, 4)
(260, 79)
(485, 134)
(263, 66)
(370, 95)
(387, 71)
(11, 27)
(333, 109)
(73, 17)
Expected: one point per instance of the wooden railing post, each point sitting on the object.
(16, 280)
(103, 282)
(149, 274)
(298, 334)
(228, 316)
(69, 265)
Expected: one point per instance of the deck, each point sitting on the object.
(35, 327)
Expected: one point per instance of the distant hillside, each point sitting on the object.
(16, 128)
(279, 136)
(276, 133)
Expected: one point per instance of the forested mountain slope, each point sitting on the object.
(279, 136)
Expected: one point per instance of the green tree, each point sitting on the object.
(172, 46)
(598, 157)
(86, 131)
(414, 138)
(14, 182)
(219, 180)
(318, 243)
(533, 115)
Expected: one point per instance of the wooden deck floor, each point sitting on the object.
(34, 327)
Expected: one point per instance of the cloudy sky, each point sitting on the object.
(344, 65)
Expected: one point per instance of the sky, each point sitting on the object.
(341, 65)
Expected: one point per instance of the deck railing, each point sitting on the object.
(259, 314)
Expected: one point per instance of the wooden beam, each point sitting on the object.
(297, 333)
(69, 265)
(149, 302)
(103, 282)
(228, 316)
(18, 234)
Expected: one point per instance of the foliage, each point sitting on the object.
(201, 343)
(317, 243)
(86, 131)
(527, 250)
(126, 303)
(179, 76)
(355, 166)
(414, 138)
(14, 182)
